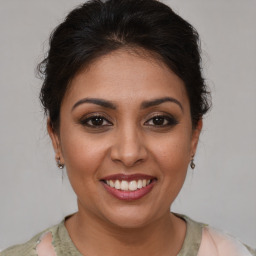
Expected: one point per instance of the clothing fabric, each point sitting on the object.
(200, 240)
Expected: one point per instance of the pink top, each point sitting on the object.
(216, 243)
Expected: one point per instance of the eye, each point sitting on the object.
(161, 120)
(96, 121)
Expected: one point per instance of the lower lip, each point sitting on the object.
(129, 195)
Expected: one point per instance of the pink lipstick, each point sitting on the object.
(129, 187)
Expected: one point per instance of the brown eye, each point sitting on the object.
(161, 121)
(96, 122)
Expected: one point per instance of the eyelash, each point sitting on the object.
(100, 118)
(166, 120)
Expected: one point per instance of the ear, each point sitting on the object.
(55, 141)
(195, 136)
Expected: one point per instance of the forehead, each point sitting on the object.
(126, 75)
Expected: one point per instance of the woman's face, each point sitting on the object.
(126, 138)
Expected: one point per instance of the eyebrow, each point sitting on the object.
(100, 102)
(110, 105)
(155, 102)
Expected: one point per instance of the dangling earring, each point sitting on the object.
(59, 164)
(192, 164)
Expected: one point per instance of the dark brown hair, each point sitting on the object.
(99, 27)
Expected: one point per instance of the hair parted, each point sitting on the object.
(99, 27)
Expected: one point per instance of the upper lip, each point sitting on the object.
(129, 177)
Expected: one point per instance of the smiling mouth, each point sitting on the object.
(129, 187)
(125, 185)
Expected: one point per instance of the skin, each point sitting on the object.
(127, 142)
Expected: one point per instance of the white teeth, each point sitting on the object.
(112, 184)
(124, 185)
(128, 185)
(117, 184)
(132, 185)
(139, 184)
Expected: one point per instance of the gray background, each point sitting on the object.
(220, 191)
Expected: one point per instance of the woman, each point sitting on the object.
(125, 98)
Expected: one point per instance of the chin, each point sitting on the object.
(129, 217)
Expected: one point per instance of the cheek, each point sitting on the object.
(172, 155)
(83, 156)
(83, 159)
(174, 150)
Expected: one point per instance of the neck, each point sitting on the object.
(93, 236)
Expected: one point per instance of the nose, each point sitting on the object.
(128, 147)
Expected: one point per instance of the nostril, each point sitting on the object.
(128, 154)
(129, 162)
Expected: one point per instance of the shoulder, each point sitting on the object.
(201, 240)
(217, 243)
(31, 247)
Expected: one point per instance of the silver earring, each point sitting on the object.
(192, 164)
(59, 164)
